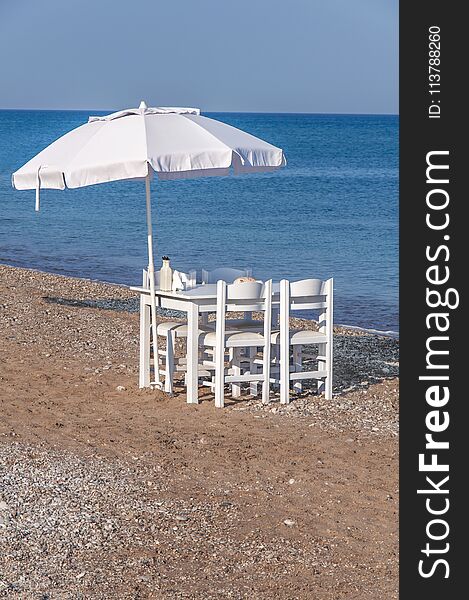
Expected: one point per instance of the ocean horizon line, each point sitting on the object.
(213, 112)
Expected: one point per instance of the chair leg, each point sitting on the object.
(285, 374)
(266, 373)
(328, 387)
(276, 360)
(234, 354)
(219, 378)
(169, 357)
(322, 366)
(328, 390)
(253, 387)
(298, 365)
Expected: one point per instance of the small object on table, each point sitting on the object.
(166, 276)
(180, 281)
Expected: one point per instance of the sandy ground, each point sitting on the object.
(131, 494)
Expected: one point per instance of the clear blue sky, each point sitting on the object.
(336, 56)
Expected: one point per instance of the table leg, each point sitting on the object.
(192, 353)
(144, 367)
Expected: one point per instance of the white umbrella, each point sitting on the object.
(135, 143)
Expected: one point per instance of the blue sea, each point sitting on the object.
(332, 211)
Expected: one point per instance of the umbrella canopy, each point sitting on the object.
(172, 142)
(136, 143)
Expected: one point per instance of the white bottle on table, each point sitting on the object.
(166, 276)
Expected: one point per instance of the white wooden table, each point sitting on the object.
(193, 302)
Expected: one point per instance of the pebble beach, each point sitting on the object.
(109, 491)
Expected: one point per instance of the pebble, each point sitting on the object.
(289, 522)
(291, 481)
(182, 518)
(3, 505)
(120, 388)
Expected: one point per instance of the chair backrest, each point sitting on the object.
(224, 273)
(307, 287)
(247, 296)
(308, 294)
(146, 281)
(247, 290)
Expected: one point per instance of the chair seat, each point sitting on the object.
(180, 329)
(237, 339)
(239, 325)
(301, 337)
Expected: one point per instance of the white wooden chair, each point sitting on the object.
(248, 296)
(308, 294)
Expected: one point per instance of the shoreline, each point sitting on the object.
(368, 330)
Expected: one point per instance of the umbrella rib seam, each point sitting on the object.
(218, 140)
(78, 153)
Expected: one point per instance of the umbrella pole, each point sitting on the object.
(151, 277)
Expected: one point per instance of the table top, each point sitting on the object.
(206, 291)
(201, 292)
